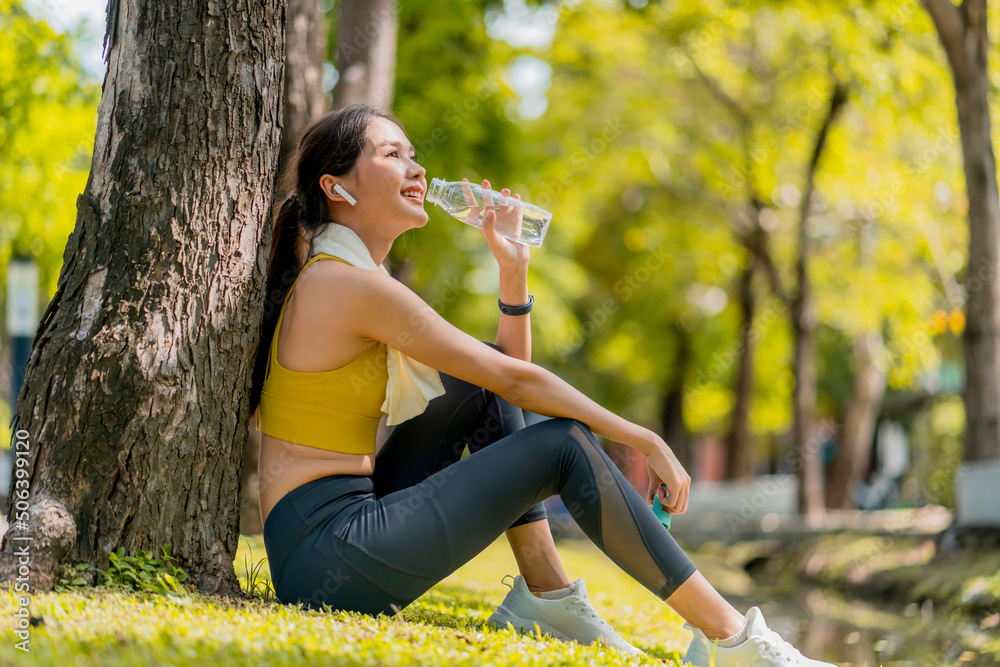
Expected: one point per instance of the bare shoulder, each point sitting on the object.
(332, 267)
(346, 283)
(363, 305)
(344, 295)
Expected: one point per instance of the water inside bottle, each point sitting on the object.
(533, 223)
(516, 220)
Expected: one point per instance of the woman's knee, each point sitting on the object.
(559, 429)
(571, 425)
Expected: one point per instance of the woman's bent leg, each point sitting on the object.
(394, 548)
(465, 415)
(468, 415)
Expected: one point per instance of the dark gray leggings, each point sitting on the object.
(375, 544)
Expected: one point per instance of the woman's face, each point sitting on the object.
(385, 170)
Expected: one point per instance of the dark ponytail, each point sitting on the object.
(330, 145)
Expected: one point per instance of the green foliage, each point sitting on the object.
(48, 115)
(255, 584)
(5, 432)
(715, 102)
(72, 576)
(937, 441)
(141, 572)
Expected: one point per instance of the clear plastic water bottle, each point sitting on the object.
(516, 221)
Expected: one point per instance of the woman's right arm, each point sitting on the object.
(385, 310)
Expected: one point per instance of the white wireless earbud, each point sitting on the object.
(343, 193)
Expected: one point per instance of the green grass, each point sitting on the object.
(444, 627)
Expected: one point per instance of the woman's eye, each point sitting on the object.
(396, 153)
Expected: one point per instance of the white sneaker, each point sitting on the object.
(763, 648)
(571, 618)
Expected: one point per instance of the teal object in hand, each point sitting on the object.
(661, 514)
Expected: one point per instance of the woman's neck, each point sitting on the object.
(377, 246)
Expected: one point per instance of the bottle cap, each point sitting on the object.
(435, 190)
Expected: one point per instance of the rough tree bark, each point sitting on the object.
(366, 53)
(854, 442)
(134, 400)
(805, 448)
(964, 36)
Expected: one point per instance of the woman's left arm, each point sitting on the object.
(514, 331)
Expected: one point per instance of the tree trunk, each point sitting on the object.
(366, 53)
(805, 446)
(963, 33)
(305, 51)
(805, 443)
(134, 402)
(738, 459)
(854, 442)
(672, 419)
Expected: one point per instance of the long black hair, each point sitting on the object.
(330, 145)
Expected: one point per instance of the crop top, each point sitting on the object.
(337, 410)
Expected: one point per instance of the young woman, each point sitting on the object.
(371, 533)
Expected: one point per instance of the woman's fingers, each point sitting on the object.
(470, 198)
(679, 499)
(682, 502)
(487, 227)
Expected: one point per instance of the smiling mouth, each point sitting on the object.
(414, 194)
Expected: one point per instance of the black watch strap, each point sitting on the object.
(517, 310)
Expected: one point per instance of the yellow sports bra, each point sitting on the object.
(337, 410)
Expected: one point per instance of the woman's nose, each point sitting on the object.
(416, 170)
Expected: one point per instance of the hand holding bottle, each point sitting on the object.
(509, 255)
(664, 468)
(516, 220)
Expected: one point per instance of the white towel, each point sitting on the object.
(411, 384)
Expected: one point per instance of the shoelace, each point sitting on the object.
(773, 646)
(586, 609)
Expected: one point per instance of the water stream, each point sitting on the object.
(826, 626)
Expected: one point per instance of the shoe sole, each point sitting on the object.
(523, 625)
(696, 658)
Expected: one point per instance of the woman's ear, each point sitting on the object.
(334, 190)
(343, 193)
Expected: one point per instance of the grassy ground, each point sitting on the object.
(444, 627)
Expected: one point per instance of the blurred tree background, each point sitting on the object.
(702, 230)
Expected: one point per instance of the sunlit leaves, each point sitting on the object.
(47, 123)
